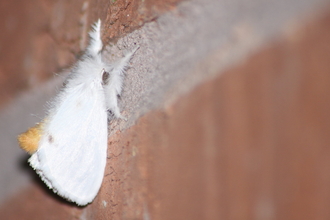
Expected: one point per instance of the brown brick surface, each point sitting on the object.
(39, 38)
(252, 143)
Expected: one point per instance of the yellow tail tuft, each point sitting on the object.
(29, 140)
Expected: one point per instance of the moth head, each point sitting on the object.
(29, 140)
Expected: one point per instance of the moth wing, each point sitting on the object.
(71, 157)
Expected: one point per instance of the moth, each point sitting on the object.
(69, 147)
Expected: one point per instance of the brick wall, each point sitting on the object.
(242, 134)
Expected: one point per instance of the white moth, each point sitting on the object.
(69, 147)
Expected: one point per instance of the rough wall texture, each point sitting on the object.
(39, 38)
(249, 143)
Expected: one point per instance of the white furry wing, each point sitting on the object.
(71, 157)
(71, 154)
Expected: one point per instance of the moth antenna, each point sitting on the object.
(95, 45)
(120, 66)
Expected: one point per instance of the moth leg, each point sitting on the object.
(115, 110)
